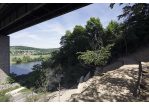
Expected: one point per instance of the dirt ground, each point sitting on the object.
(118, 82)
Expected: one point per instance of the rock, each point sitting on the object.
(80, 87)
(81, 84)
(145, 70)
(97, 68)
(81, 79)
(87, 76)
(142, 63)
(97, 71)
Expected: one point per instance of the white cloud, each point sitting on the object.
(23, 34)
(54, 26)
(34, 37)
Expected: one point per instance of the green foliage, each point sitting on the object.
(135, 29)
(26, 59)
(5, 98)
(46, 63)
(99, 57)
(11, 78)
(42, 81)
(94, 28)
(37, 67)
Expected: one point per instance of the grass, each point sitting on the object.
(21, 56)
(3, 92)
(24, 90)
(5, 98)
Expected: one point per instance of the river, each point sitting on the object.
(23, 68)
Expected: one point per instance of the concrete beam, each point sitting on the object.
(4, 58)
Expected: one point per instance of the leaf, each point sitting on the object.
(112, 5)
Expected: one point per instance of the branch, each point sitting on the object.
(86, 66)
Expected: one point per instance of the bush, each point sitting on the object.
(11, 78)
(5, 98)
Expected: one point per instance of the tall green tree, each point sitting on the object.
(136, 20)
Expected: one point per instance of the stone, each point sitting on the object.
(142, 63)
(81, 79)
(81, 84)
(97, 71)
(80, 87)
(87, 76)
(145, 70)
(97, 68)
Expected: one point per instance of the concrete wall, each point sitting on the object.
(4, 58)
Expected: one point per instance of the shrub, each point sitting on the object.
(11, 78)
(5, 98)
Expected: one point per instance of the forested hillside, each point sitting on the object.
(84, 49)
(15, 48)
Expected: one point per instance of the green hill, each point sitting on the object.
(16, 48)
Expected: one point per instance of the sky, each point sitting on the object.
(48, 34)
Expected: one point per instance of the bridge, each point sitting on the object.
(18, 16)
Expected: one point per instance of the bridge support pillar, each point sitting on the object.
(4, 58)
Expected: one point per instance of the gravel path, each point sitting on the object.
(20, 97)
(64, 94)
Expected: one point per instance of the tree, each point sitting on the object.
(94, 28)
(97, 56)
(135, 24)
(112, 32)
(18, 60)
(42, 82)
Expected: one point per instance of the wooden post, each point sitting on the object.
(59, 91)
(59, 86)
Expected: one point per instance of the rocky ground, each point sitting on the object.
(6, 86)
(118, 82)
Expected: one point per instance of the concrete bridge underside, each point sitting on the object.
(18, 16)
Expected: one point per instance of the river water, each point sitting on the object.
(23, 68)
